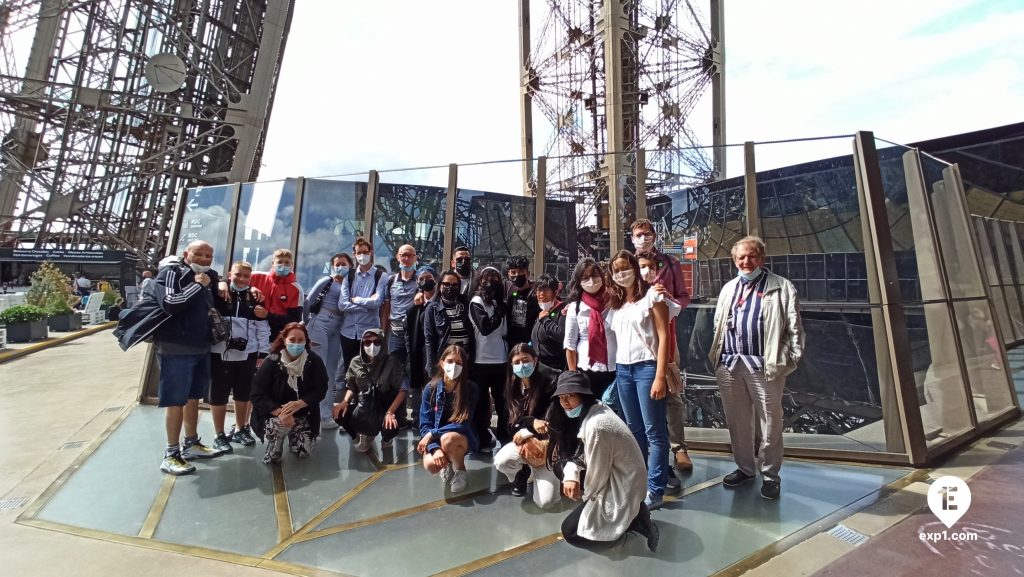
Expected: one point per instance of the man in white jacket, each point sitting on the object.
(758, 342)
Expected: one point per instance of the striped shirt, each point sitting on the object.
(744, 335)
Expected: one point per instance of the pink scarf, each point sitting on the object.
(595, 331)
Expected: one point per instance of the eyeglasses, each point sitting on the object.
(373, 342)
(644, 235)
(449, 284)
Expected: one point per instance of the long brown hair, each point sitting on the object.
(278, 345)
(536, 390)
(616, 294)
(460, 410)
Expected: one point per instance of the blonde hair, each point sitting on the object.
(281, 252)
(749, 240)
(241, 264)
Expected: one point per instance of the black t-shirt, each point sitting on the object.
(522, 312)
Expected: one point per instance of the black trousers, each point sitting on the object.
(571, 525)
(490, 378)
(346, 421)
(349, 350)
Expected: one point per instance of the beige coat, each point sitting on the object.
(783, 329)
(616, 480)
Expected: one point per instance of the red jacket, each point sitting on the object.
(282, 297)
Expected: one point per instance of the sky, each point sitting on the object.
(402, 83)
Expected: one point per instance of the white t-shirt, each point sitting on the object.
(490, 349)
(635, 336)
(577, 330)
(83, 282)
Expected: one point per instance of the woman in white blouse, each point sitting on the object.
(589, 344)
(639, 317)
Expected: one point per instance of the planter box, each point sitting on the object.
(65, 323)
(27, 332)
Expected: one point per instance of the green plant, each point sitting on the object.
(110, 297)
(51, 290)
(22, 314)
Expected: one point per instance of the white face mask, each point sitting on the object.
(452, 370)
(592, 286)
(198, 268)
(372, 350)
(645, 272)
(363, 259)
(643, 243)
(546, 306)
(624, 279)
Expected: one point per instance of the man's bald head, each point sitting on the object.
(199, 252)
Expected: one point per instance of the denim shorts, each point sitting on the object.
(182, 378)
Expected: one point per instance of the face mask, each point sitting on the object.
(645, 272)
(462, 265)
(624, 279)
(427, 285)
(281, 270)
(523, 370)
(237, 288)
(198, 268)
(339, 270)
(519, 281)
(490, 287)
(452, 370)
(295, 349)
(449, 293)
(407, 268)
(573, 413)
(592, 286)
(363, 259)
(372, 350)
(546, 306)
(750, 276)
(643, 243)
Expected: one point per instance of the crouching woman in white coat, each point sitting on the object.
(600, 463)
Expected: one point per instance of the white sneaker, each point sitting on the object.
(459, 481)
(364, 443)
(446, 475)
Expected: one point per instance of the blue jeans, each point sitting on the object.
(646, 419)
(325, 338)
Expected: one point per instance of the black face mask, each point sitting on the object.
(490, 287)
(449, 293)
(462, 265)
(426, 285)
(519, 281)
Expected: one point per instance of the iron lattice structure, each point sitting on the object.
(93, 153)
(589, 107)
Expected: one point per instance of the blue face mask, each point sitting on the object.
(339, 270)
(753, 274)
(407, 268)
(237, 288)
(281, 270)
(523, 370)
(295, 349)
(574, 413)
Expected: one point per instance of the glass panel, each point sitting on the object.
(962, 270)
(410, 209)
(207, 217)
(266, 212)
(936, 371)
(990, 383)
(332, 219)
(496, 226)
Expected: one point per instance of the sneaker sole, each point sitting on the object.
(744, 481)
(177, 473)
(767, 498)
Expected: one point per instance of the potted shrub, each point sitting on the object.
(24, 323)
(53, 292)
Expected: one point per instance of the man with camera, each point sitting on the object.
(234, 362)
(184, 290)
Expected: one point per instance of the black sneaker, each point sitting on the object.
(222, 443)
(242, 436)
(770, 489)
(521, 481)
(736, 478)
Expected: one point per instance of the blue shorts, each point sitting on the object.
(182, 378)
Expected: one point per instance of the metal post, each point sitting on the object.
(449, 214)
(539, 231)
(752, 212)
(372, 183)
(641, 183)
(526, 78)
(300, 191)
(610, 27)
(876, 219)
(718, 87)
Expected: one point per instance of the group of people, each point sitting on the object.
(586, 391)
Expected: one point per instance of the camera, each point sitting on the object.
(238, 343)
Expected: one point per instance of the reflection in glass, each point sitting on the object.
(409, 214)
(332, 219)
(937, 373)
(495, 226)
(990, 386)
(266, 213)
(560, 250)
(207, 217)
